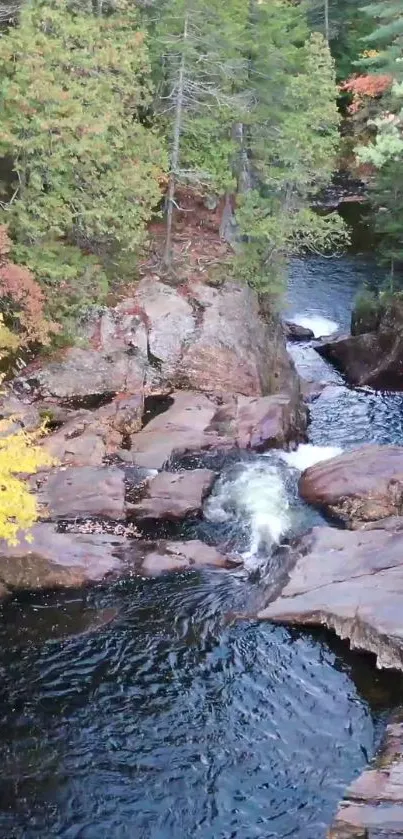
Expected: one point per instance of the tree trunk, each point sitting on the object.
(175, 150)
(327, 26)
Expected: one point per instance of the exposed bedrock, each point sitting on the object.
(350, 582)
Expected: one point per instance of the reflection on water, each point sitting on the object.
(144, 711)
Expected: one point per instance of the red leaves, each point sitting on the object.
(25, 297)
(370, 86)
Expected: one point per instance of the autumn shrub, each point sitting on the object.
(19, 455)
(22, 302)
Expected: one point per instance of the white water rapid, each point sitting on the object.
(257, 498)
(307, 455)
(320, 326)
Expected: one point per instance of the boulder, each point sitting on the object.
(374, 357)
(270, 422)
(373, 804)
(94, 492)
(350, 582)
(54, 560)
(296, 332)
(233, 349)
(87, 437)
(196, 337)
(164, 557)
(352, 355)
(173, 495)
(80, 376)
(358, 486)
(197, 423)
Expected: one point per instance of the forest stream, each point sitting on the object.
(146, 711)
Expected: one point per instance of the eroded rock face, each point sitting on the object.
(53, 560)
(173, 496)
(351, 582)
(359, 486)
(373, 357)
(373, 805)
(194, 337)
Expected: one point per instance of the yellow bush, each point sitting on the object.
(19, 455)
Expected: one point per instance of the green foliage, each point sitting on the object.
(386, 37)
(384, 152)
(293, 142)
(348, 26)
(72, 90)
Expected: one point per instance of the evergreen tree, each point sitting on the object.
(386, 38)
(73, 86)
(251, 107)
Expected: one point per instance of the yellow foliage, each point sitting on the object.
(19, 455)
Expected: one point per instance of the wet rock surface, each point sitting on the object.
(372, 807)
(373, 357)
(296, 332)
(359, 486)
(350, 582)
(162, 557)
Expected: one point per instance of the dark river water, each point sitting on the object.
(172, 720)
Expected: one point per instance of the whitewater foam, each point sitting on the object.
(257, 496)
(319, 325)
(307, 455)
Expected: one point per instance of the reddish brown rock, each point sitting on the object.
(54, 560)
(75, 492)
(166, 557)
(234, 349)
(196, 423)
(372, 807)
(173, 495)
(87, 437)
(373, 357)
(269, 422)
(358, 486)
(351, 582)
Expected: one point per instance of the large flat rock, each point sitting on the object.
(350, 582)
(359, 486)
(173, 496)
(372, 807)
(197, 423)
(84, 492)
(51, 560)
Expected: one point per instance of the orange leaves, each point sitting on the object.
(24, 296)
(362, 88)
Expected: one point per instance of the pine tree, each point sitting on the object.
(73, 87)
(386, 38)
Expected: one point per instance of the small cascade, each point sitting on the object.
(255, 499)
(307, 455)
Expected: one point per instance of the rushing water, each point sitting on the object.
(146, 712)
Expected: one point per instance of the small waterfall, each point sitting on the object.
(255, 499)
(319, 325)
(307, 455)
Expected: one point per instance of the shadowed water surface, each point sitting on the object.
(144, 712)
